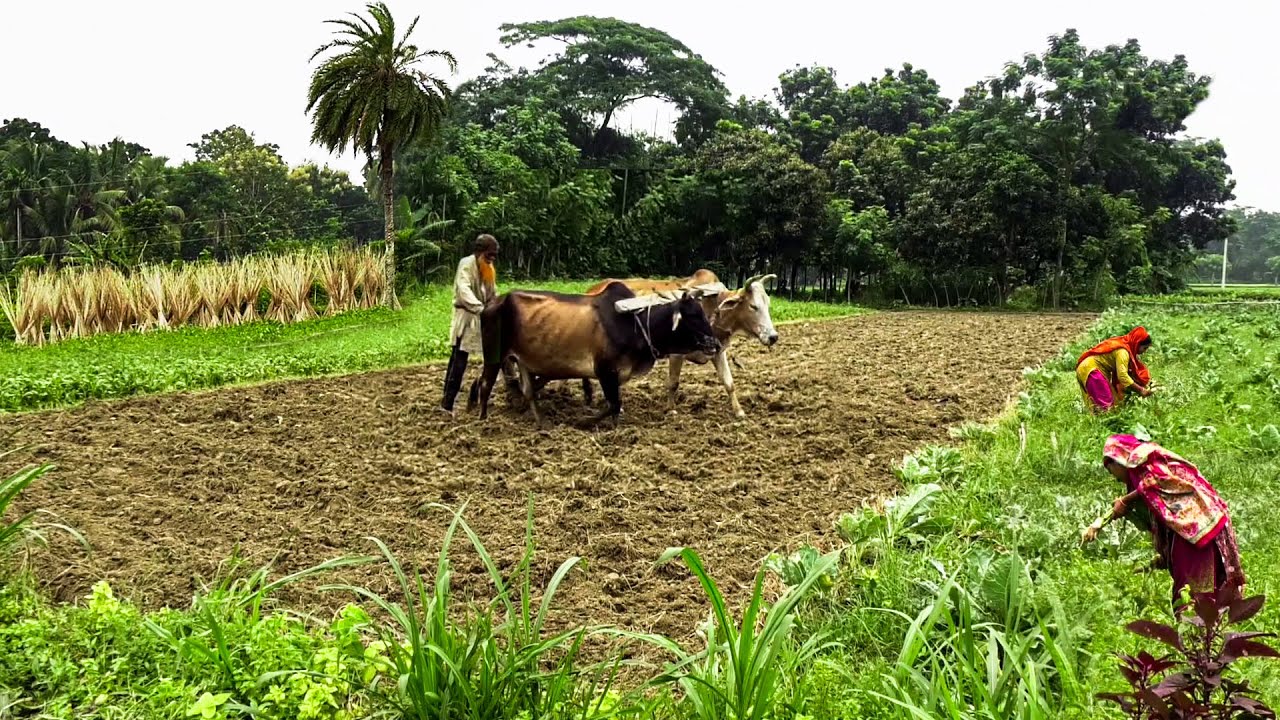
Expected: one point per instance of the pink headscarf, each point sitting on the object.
(1175, 491)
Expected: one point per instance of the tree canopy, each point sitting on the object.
(1065, 176)
(606, 64)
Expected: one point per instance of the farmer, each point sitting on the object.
(1187, 519)
(474, 285)
(1112, 368)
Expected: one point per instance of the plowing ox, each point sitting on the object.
(610, 336)
(738, 312)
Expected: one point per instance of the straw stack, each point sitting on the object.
(51, 306)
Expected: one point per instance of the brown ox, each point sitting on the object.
(611, 336)
(739, 312)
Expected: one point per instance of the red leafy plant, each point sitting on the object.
(1193, 683)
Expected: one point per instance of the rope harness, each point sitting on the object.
(644, 330)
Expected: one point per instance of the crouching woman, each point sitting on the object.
(1168, 497)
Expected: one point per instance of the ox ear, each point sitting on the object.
(730, 302)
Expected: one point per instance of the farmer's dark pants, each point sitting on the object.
(453, 375)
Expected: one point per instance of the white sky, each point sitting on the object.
(162, 72)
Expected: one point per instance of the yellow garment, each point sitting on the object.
(1114, 366)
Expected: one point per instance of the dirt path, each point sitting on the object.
(167, 488)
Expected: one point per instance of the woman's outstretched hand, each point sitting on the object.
(1090, 533)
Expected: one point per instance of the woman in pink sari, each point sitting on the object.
(1187, 519)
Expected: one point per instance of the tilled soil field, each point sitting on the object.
(167, 488)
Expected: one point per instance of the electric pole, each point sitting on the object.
(1225, 241)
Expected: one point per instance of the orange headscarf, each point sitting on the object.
(1130, 342)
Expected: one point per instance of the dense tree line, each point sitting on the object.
(1066, 174)
(1062, 179)
(119, 204)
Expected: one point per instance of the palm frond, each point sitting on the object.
(369, 95)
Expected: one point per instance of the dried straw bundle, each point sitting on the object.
(289, 281)
(151, 282)
(26, 308)
(249, 282)
(183, 296)
(372, 278)
(74, 303)
(338, 273)
(216, 286)
(113, 309)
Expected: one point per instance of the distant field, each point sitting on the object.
(1206, 293)
(112, 366)
(1243, 288)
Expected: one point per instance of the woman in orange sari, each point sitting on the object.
(1112, 368)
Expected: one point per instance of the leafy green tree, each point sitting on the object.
(856, 241)
(417, 232)
(756, 198)
(147, 230)
(219, 145)
(820, 110)
(607, 64)
(240, 196)
(1208, 267)
(371, 96)
(22, 130)
(346, 210)
(895, 102)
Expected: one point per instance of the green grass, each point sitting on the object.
(115, 366)
(1219, 390)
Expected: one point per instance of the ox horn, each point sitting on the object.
(762, 279)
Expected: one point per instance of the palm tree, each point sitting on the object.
(371, 96)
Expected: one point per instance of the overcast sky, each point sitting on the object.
(162, 72)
